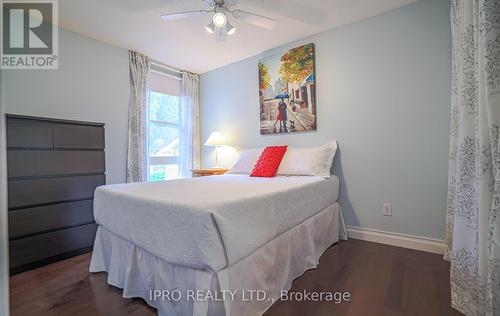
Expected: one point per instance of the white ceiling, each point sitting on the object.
(185, 44)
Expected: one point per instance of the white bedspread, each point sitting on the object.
(210, 222)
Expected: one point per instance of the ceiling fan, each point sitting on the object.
(220, 25)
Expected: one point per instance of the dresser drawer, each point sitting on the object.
(31, 249)
(54, 167)
(78, 136)
(25, 193)
(29, 134)
(34, 220)
(35, 163)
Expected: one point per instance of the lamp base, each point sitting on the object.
(216, 158)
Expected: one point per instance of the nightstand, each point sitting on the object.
(208, 172)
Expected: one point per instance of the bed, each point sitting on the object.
(229, 233)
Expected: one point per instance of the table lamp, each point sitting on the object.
(215, 139)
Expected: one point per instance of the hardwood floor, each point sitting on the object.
(381, 279)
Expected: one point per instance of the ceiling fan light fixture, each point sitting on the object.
(219, 12)
(219, 19)
(210, 27)
(230, 28)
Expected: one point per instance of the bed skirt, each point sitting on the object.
(247, 287)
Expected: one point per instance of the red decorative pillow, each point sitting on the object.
(268, 162)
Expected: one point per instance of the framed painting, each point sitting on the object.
(287, 91)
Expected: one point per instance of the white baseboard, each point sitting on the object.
(396, 239)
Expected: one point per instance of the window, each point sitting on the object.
(164, 129)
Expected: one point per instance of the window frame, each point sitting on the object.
(161, 160)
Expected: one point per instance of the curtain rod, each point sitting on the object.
(162, 65)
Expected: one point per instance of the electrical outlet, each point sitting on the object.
(387, 209)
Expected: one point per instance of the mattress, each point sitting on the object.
(210, 222)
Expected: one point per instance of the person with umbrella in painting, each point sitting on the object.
(282, 112)
(278, 119)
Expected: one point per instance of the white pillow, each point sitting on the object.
(314, 161)
(246, 161)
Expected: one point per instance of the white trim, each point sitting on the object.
(396, 239)
(4, 247)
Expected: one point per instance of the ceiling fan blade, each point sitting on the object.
(183, 15)
(143, 5)
(298, 10)
(254, 19)
(220, 34)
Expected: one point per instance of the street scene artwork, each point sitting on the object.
(287, 91)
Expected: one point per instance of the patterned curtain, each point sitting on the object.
(473, 210)
(190, 134)
(137, 156)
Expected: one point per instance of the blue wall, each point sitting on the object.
(91, 84)
(383, 92)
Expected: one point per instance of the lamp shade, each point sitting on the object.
(215, 139)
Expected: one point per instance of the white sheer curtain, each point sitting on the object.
(137, 156)
(473, 211)
(190, 132)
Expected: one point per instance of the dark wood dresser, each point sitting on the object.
(53, 168)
